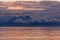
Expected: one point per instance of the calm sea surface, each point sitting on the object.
(29, 33)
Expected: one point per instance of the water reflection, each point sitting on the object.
(29, 33)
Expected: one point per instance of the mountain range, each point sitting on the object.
(49, 11)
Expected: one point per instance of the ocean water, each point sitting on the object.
(29, 33)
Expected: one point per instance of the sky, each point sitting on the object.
(26, 0)
(18, 0)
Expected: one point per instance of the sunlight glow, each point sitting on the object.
(15, 8)
(27, 0)
(22, 8)
(17, 0)
(34, 9)
(7, 0)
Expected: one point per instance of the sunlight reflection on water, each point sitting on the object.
(29, 33)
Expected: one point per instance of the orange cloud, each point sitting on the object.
(15, 7)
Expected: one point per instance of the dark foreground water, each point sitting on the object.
(29, 33)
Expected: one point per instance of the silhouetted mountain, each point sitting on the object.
(50, 14)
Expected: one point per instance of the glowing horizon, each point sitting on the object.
(17, 0)
(26, 0)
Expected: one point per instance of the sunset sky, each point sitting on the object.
(27, 0)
